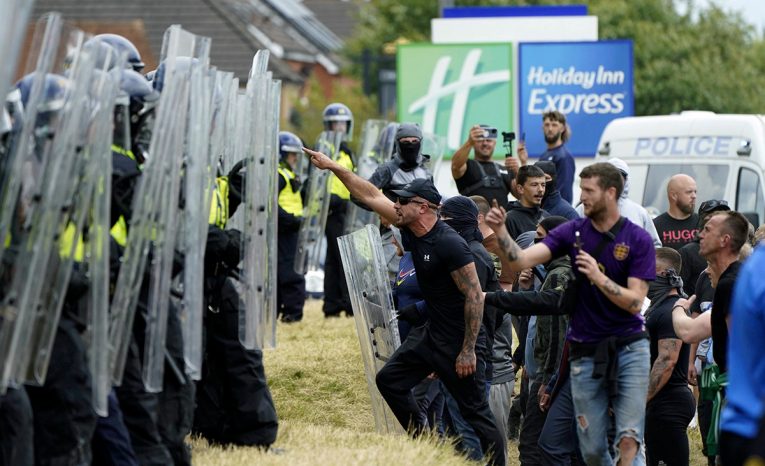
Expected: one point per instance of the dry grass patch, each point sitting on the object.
(317, 382)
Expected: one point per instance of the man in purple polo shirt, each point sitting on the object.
(610, 356)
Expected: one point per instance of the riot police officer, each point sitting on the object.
(290, 294)
(337, 117)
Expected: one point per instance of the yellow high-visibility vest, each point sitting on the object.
(290, 200)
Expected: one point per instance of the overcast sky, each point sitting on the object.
(752, 10)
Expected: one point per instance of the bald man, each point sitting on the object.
(679, 224)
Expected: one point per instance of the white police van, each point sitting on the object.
(725, 154)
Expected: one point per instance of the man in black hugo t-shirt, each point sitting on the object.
(453, 343)
(671, 405)
(678, 225)
(482, 176)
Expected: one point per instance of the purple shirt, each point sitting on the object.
(632, 254)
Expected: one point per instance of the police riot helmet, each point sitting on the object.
(338, 112)
(182, 65)
(289, 143)
(121, 44)
(137, 88)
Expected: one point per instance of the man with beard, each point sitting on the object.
(613, 260)
(557, 133)
(679, 224)
(525, 213)
(482, 176)
(454, 343)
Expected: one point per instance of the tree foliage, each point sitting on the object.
(702, 59)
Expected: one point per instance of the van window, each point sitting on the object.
(749, 193)
(710, 183)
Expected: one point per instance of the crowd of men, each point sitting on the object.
(615, 359)
(628, 327)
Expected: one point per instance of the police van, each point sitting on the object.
(725, 154)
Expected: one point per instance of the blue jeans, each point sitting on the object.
(591, 402)
(557, 442)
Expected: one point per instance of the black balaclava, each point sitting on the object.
(409, 151)
(663, 285)
(463, 217)
(549, 169)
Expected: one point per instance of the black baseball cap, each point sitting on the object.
(713, 205)
(422, 187)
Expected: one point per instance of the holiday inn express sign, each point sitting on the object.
(449, 88)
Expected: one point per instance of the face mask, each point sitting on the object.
(663, 284)
(409, 152)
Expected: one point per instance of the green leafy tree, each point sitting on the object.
(703, 59)
(306, 117)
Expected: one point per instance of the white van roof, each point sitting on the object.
(690, 133)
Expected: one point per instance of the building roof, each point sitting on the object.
(339, 16)
(234, 39)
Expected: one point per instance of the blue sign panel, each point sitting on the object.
(497, 11)
(589, 82)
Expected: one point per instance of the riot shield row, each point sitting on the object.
(56, 212)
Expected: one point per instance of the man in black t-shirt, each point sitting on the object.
(482, 176)
(721, 240)
(679, 224)
(671, 405)
(453, 344)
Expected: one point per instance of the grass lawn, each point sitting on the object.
(317, 382)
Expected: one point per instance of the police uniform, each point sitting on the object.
(336, 298)
(290, 294)
(233, 401)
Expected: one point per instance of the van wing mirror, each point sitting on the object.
(753, 217)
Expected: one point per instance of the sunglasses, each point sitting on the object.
(406, 200)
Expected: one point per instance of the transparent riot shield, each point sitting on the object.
(372, 153)
(435, 146)
(104, 90)
(258, 316)
(197, 197)
(367, 278)
(316, 209)
(153, 226)
(50, 209)
(13, 25)
(185, 59)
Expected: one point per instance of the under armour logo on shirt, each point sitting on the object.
(427, 257)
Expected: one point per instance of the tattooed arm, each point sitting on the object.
(630, 298)
(669, 351)
(466, 279)
(509, 250)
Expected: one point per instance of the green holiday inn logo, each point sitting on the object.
(449, 88)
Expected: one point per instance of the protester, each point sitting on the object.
(679, 224)
(605, 316)
(454, 344)
(671, 405)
